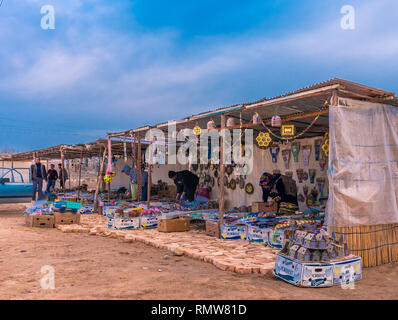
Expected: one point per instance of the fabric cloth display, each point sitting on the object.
(317, 145)
(300, 175)
(312, 173)
(320, 183)
(295, 151)
(286, 157)
(305, 190)
(306, 155)
(274, 153)
(322, 164)
(305, 176)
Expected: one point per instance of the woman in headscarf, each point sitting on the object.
(281, 189)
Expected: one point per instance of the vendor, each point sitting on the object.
(186, 183)
(280, 188)
(132, 173)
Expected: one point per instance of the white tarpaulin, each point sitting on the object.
(363, 164)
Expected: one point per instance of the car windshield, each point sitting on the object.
(14, 175)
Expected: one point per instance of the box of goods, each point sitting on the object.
(110, 221)
(67, 218)
(309, 274)
(126, 223)
(257, 233)
(173, 225)
(347, 271)
(277, 236)
(39, 221)
(314, 259)
(303, 274)
(149, 222)
(233, 232)
(264, 207)
(66, 206)
(212, 228)
(87, 209)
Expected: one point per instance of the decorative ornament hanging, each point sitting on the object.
(249, 188)
(286, 157)
(325, 147)
(263, 140)
(211, 125)
(317, 145)
(231, 122)
(276, 121)
(287, 131)
(295, 150)
(306, 155)
(256, 118)
(197, 130)
(274, 153)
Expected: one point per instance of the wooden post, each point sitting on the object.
(80, 174)
(139, 164)
(222, 173)
(63, 170)
(99, 179)
(148, 196)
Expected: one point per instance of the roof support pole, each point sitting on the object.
(63, 170)
(99, 179)
(222, 172)
(149, 176)
(138, 168)
(80, 175)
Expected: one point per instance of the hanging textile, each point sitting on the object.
(363, 164)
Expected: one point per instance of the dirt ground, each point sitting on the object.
(93, 267)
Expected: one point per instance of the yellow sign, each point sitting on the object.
(288, 130)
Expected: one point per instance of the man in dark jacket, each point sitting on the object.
(38, 174)
(186, 183)
(63, 176)
(52, 177)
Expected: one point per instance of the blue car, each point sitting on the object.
(13, 188)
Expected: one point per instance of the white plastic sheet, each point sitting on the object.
(363, 164)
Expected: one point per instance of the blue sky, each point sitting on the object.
(115, 65)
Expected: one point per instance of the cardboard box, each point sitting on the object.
(173, 225)
(67, 218)
(256, 234)
(126, 223)
(263, 207)
(39, 221)
(233, 232)
(316, 275)
(149, 222)
(276, 238)
(212, 229)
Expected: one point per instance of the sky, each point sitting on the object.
(114, 65)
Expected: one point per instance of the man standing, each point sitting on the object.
(38, 173)
(186, 183)
(63, 176)
(52, 177)
(144, 191)
(132, 173)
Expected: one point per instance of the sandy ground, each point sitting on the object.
(92, 267)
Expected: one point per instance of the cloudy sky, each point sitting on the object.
(112, 65)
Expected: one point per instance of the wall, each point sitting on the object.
(261, 163)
